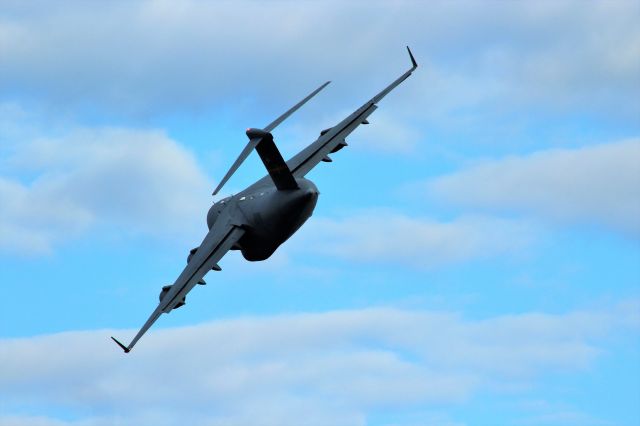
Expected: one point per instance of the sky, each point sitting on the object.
(474, 257)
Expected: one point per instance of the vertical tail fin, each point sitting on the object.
(272, 159)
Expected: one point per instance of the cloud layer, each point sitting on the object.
(133, 179)
(155, 55)
(594, 184)
(383, 236)
(305, 369)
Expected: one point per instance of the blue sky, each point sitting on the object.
(474, 257)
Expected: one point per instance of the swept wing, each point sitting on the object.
(215, 245)
(334, 138)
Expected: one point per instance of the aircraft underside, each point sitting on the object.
(260, 218)
(266, 228)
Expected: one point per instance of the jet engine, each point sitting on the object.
(164, 292)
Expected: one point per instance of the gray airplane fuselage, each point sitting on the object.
(269, 216)
(259, 219)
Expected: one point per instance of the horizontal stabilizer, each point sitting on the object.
(254, 140)
(294, 108)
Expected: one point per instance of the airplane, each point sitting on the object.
(260, 218)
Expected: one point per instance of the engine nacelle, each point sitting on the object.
(163, 294)
(191, 253)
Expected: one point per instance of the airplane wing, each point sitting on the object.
(215, 245)
(333, 139)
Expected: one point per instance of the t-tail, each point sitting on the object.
(262, 141)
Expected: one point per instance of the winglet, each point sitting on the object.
(124, 348)
(413, 60)
(377, 98)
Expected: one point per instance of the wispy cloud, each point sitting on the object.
(594, 184)
(156, 55)
(137, 179)
(385, 236)
(307, 369)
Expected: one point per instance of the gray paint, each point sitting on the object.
(260, 218)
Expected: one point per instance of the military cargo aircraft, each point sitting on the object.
(260, 218)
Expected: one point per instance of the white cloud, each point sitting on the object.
(31, 219)
(389, 237)
(386, 134)
(304, 369)
(580, 56)
(154, 55)
(137, 179)
(544, 412)
(595, 184)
